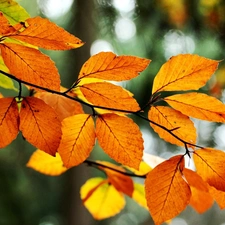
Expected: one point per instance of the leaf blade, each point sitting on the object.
(114, 134)
(108, 66)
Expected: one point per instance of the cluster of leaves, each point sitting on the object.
(52, 119)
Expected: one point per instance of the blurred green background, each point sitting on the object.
(154, 29)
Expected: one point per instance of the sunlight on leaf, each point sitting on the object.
(120, 138)
(103, 199)
(108, 66)
(46, 34)
(199, 191)
(46, 164)
(139, 195)
(210, 165)
(40, 125)
(144, 168)
(78, 139)
(173, 120)
(13, 11)
(184, 72)
(198, 105)
(109, 95)
(9, 121)
(167, 193)
(152, 160)
(20, 61)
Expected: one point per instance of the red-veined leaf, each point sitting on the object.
(40, 125)
(198, 105)
(78, 139)
(108, 66)
(179, 124)
(9, 121)
(167, 193)
(120, 138)
(184, 72)
(109, 95)
(30, 65)
(46, 34)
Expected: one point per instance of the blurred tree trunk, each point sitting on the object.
(82, 26)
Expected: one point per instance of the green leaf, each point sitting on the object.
(13, 11)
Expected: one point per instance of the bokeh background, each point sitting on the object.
(154, 29)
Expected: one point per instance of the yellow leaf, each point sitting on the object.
(63, 106)
(198, 105)
(109, 95)
(139, 195)
(46, 164)
(108, 66)
(179, 124)
(9, 121)
(184, 72)
(144, 168)
(120, 138)
(166, 191)
(29, 64)
(103, 199)
(210, 165)
(199, 191)
(46, 34)
(219, 196)
(40, 125)
(78, 139)
(121, 182)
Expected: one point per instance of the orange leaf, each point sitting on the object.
(45, 34)
(78, 139)
(101, 199)
(167, 193)
(108, 66)
(210, 165)
(5, 27)
(46, 164)
(199, 191)
(120, 138)
(198, 105)
(219, 196)
(40, 125)
(184, 72)
(179, 124)
(9, 121)
(63, 106)
(109, 95)
(29, 64)
(120, 181)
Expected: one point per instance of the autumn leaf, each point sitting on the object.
(20, 61)
(121, 182)
(46, 164)
(120, 138)
(152, 160)
(5, 26)
(167, 193)
(108, 95)
(78, 139)
(144, 168)
(40, 125)
(13, 11)
(108, 66)
(46, 34)
(101, 199)
(184, 72)
(219, 196)
(198, 105)
(174, 121)
(199, 191)
(9, 121)
(210, 165)
(63, 106)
